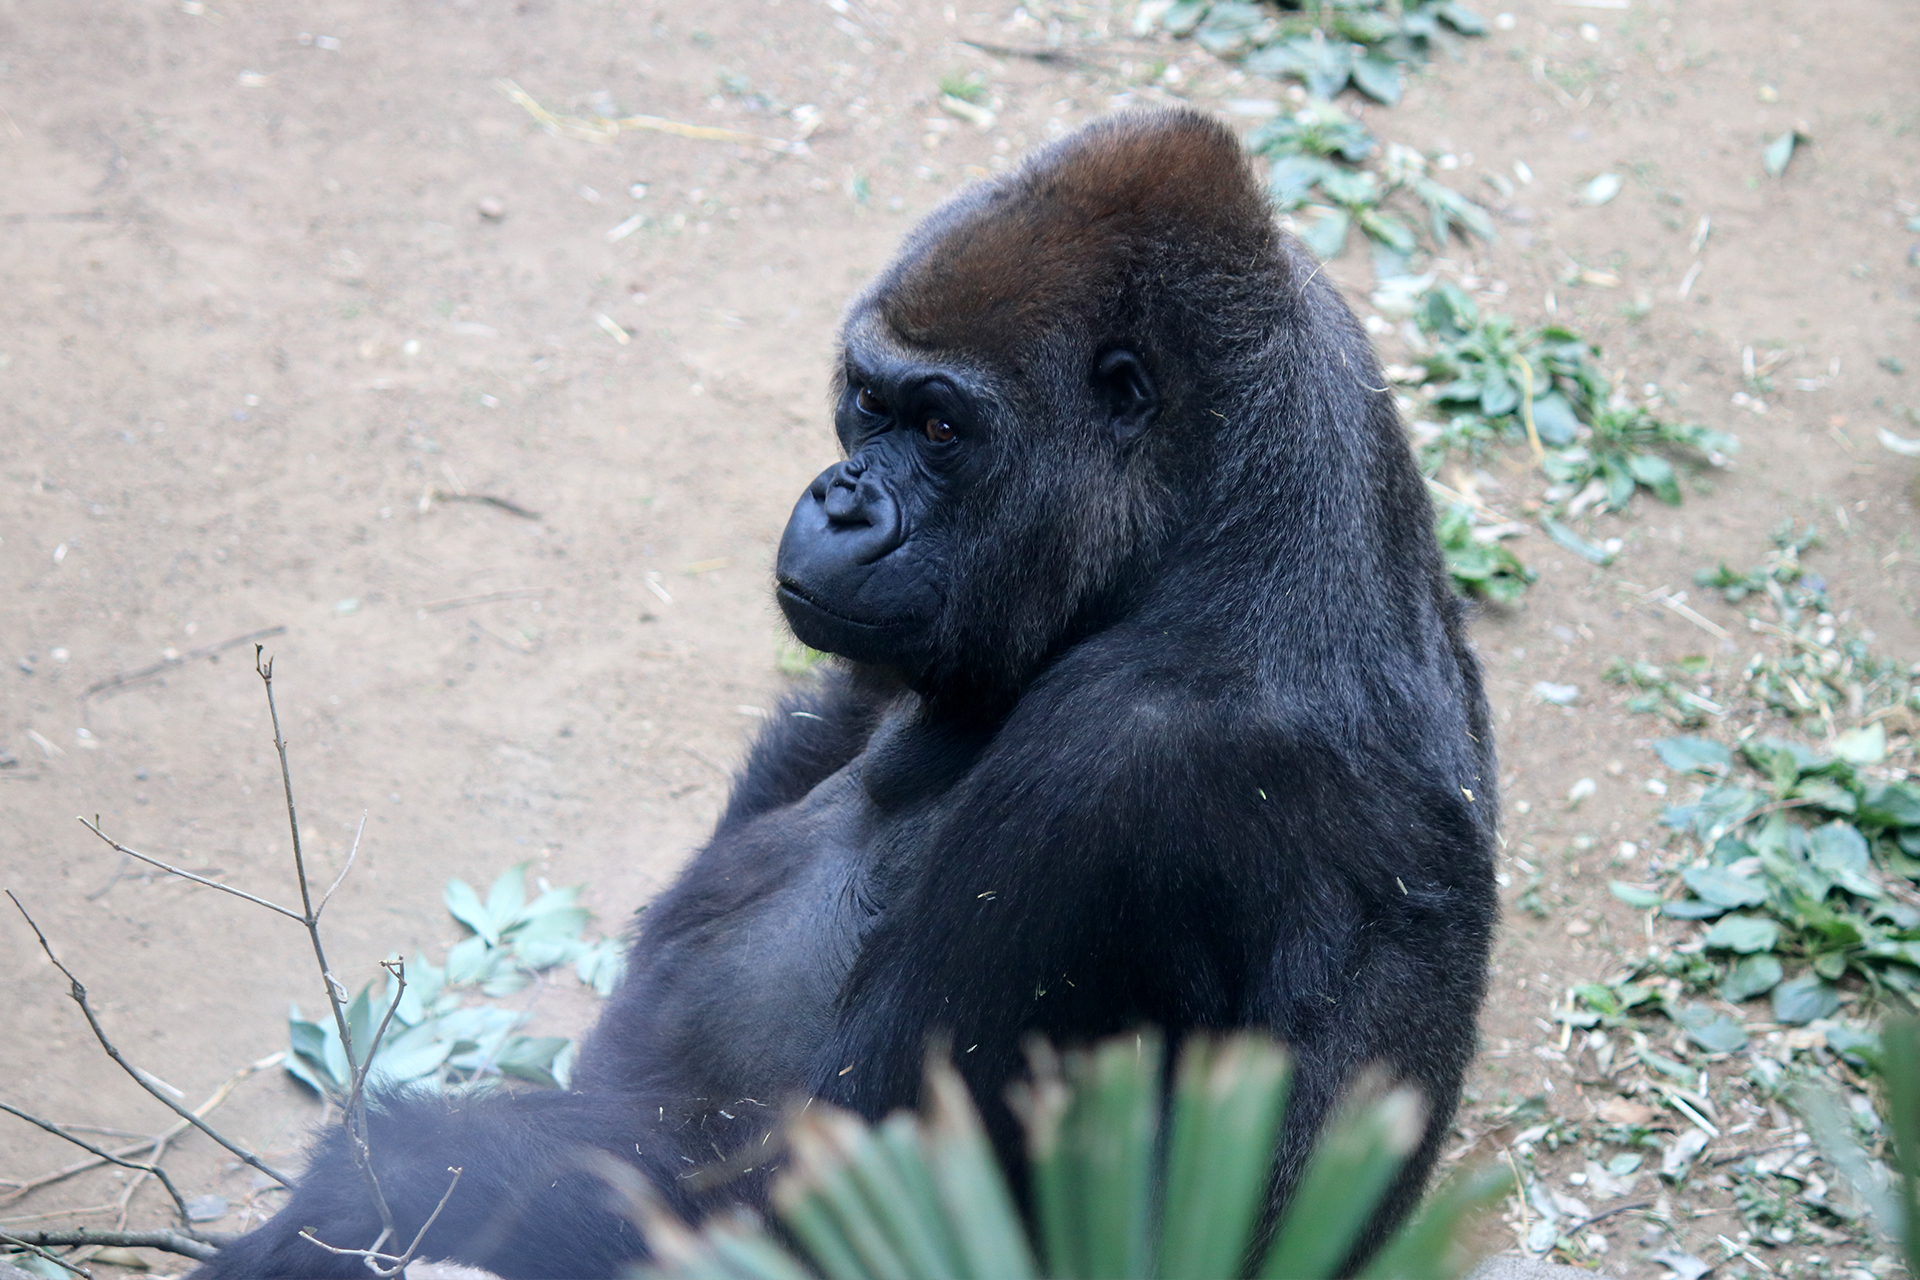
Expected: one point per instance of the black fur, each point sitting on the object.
(1160, 711)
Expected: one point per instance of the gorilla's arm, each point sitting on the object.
(814, 732)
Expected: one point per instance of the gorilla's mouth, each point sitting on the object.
(791, 592)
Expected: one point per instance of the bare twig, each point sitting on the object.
(16, 1190)
(352, 853)
(1045, 55)
(603, 129)
(170, 869)
(115, 683)
(397, 969)
(171, 1241)
(179, 1201)
(1608, 1213)
(485, 597)
(388, 1265)
(356, 1112)
(507, 505)
(79, 994)
(30, 1246)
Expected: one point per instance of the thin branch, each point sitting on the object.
(171, 1241)
(356, 1112)
(397, 969)
(352, 853)
(1046, 55)
(1604, 1214)
(487, 597)
(170, 869)
(114, 683)
(27, 1244)
(432, 1218)
(17, 1190)
(507, 505)
(79, 994)
(388, 1265)
(179, 1201)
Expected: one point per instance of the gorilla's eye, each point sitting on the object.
(938, 431)
(870, 402)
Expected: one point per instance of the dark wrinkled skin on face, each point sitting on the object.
(1152, 706)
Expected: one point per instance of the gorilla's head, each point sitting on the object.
(1025, 399)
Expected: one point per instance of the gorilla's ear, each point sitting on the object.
(1128, 388)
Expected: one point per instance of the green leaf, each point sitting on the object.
(1744, 934)
(1462, 19)
(1634, 895)
(1352, 1165)
(1694, 755)
(1890, 804)
(1291, 180)
(1184, 16)
(467, 908)
(1108, 1138)
(1226, 1113)
(1900, 1040)
(1655, 473)
(1378, 76)
(1800, 1000)
(1714, 1032)
(602, 965)
(1692, 909)
(1838, 1141)
(1779, 152)
(968, 1177)
(1573, 542)
(1428, 1247)
(1782, 759)
(1554, 419)
(1839, 852)
(1230, 27)
(1387, 230)
(1862, 746)
(1753, 976)
(1328, 234)
(1724, 888)
(531, 1058)
(507, 898)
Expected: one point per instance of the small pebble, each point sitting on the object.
(491, 209)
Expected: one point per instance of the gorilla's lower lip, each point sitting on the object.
(788, 590)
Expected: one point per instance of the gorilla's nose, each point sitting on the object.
(846, 518)
(840, 492)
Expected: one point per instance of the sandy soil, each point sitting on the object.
(283, 283)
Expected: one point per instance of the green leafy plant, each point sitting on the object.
(1324, 44)
(1478, 564)
(922, 1196)
(1805, 877)
(435, 1036)
(1318, 158)
(1492, 382)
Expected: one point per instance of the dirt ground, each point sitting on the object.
(283, 287)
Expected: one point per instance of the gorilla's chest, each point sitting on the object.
(760, 984)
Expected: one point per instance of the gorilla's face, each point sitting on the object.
(862, 568)
(980, 509)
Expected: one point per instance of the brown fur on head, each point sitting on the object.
(1037, 249)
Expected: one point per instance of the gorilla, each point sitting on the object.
(1153, 706)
